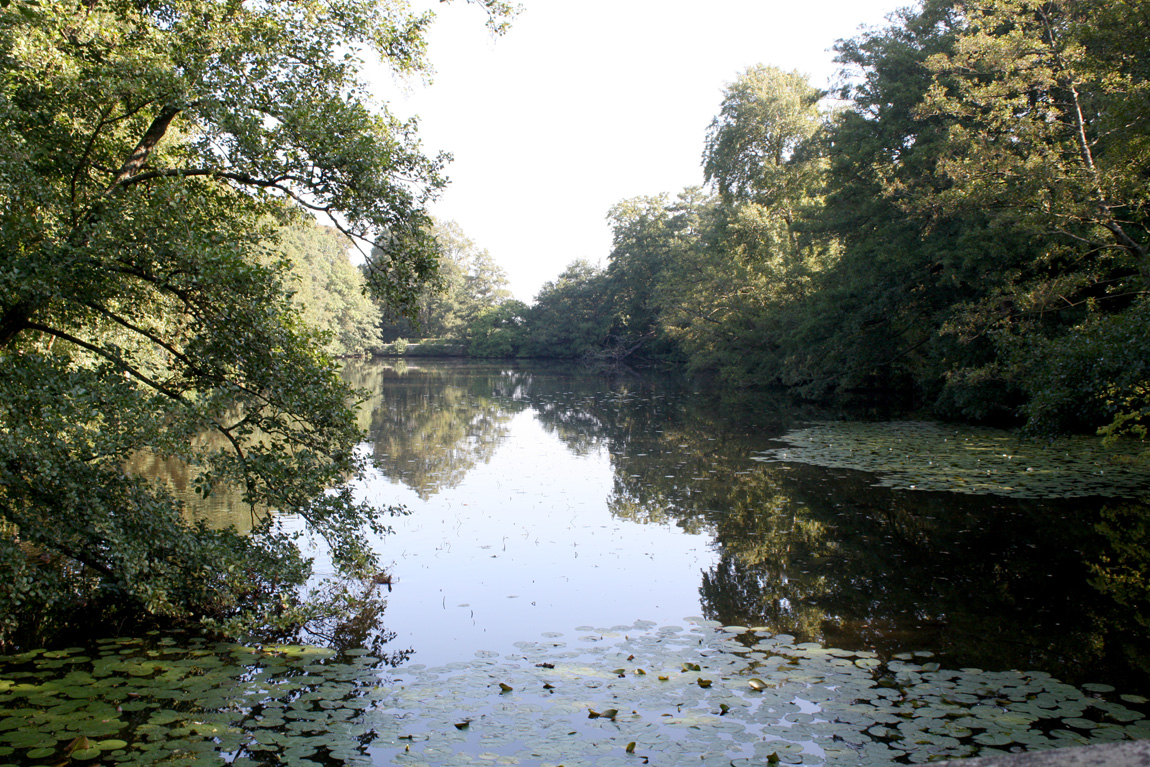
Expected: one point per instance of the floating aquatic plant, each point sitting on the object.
(768, 697)
(139, 703)
(553, 701)
(920, 455)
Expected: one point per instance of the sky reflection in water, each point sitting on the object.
(564, 526)
(544, 499)
(525, 544)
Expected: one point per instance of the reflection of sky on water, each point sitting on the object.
(546, 499)
(525, 544)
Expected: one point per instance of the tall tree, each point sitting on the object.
(765, 158)
(874, 316)
(1049, 99)
(150, 150)
(1048, 104)
(330, 291)
(757, 147)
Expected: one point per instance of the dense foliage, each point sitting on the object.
(964, 227)
(329, 290)
(152, 151)
(469, 283)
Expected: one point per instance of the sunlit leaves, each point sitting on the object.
(755, 145)
(330, 290)
(1033, 87)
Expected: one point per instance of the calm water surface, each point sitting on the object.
(552, 499)
(573, 538)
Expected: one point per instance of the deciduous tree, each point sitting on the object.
(1048, 103)
(150, 151)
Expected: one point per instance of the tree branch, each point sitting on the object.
(111, 357)
(137, 374)
(249, 180)
(143, 150)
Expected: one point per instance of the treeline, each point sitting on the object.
(467, 291)
(962, 224)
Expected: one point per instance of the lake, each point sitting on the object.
(544, 498)
(623, 568)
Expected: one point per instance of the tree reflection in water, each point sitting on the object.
(223, 507)
(821, 554)
(429, 426)
(824, 555)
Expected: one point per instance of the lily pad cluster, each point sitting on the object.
(617, 697)
(722, 696)
(922, 455)
(136, 702)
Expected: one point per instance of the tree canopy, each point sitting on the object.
(329, 290)
(963, 228)
(469, 282)
(152, 151)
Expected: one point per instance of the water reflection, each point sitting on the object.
(824, 555)
(429, 427)
(987, 583)
(223, 508)
(819, 554)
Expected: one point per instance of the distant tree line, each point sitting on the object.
(961, 224)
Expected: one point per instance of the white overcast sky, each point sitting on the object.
(584, 103)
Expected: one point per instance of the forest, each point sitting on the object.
(166, 294)
(959, 226)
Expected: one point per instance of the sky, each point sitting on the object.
(581, 105)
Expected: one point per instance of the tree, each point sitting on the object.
(330, 291)
(647, 235)
(766, 160)
(1049, 100)
(571, 316)
(151, 151)
(499, 331)
(757, 144)
(469, 283)
(1048, 104)
(872, 319)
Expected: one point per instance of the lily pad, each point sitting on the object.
(924, 455)
(704, 693)
(84, 754)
